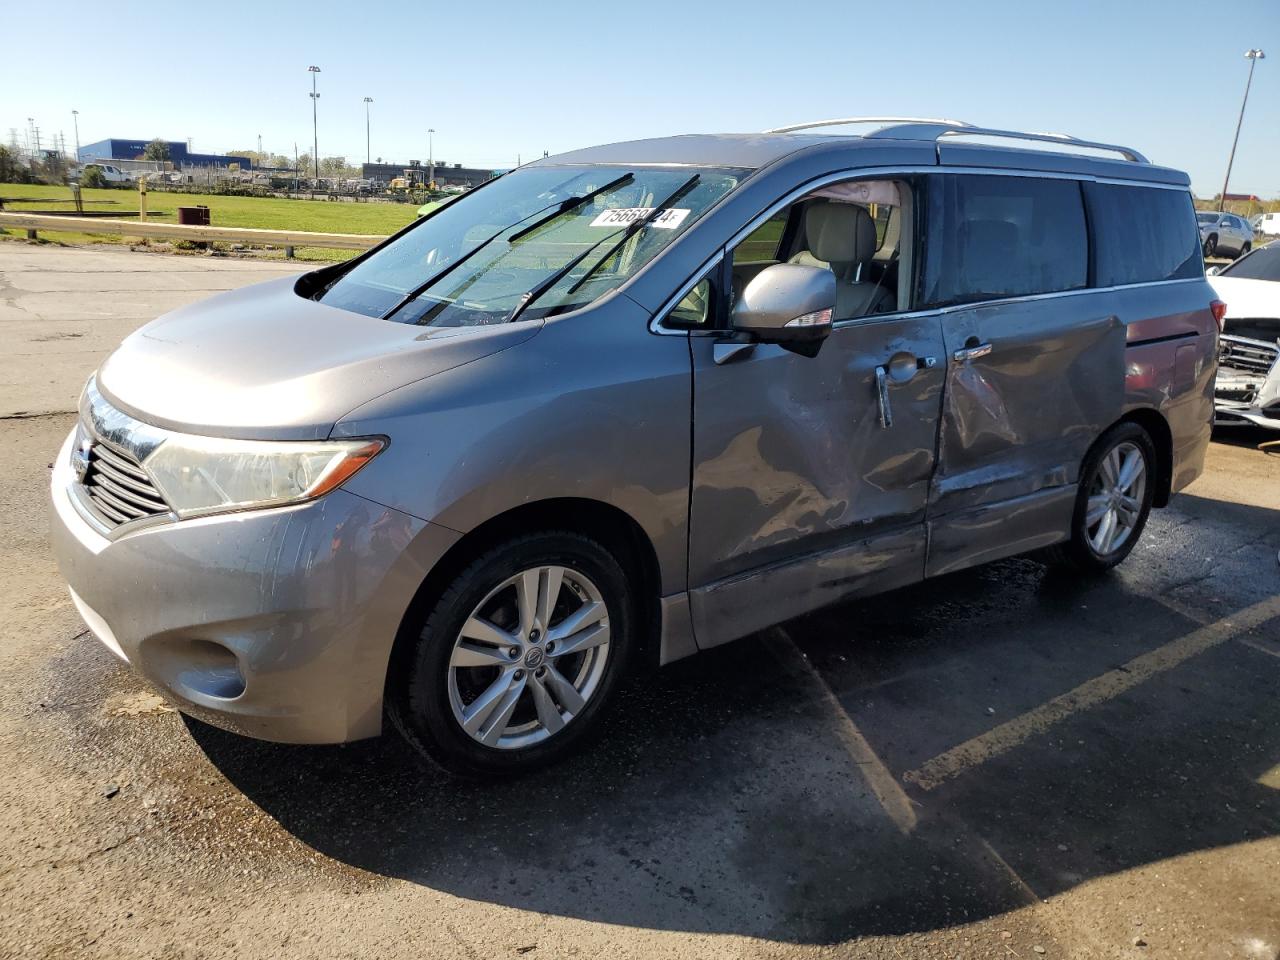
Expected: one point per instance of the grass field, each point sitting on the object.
(268, 213)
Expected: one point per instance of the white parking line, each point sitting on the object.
(1107, 686)
(897, 805)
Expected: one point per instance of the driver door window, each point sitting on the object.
(859, 230)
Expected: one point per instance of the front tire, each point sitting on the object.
(1113, 500)
(1210, 247)
(513, 667)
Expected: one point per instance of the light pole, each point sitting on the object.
(431, 156)
(1253, 56)
(315, 134)
(367, 154)
(75, 118)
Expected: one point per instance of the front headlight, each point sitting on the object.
(201, 475)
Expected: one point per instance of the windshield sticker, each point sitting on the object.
(668, 219)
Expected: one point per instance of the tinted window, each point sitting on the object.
(1207, 217)
(1262, 264)
(1142, 234)
(991, 237)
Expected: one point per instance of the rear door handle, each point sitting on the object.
(971, 351)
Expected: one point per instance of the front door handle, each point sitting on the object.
(972, 350)
(882, 396)
(899, 368)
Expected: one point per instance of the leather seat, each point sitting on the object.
(842, 238)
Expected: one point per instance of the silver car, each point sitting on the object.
(626, 404)
(1224, 234)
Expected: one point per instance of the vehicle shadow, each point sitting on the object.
(723, 797)
(1250, 436)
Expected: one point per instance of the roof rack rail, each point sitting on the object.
(1061, 139)
(922, 128)
(925, 121)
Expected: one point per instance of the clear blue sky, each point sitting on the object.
(497, 78)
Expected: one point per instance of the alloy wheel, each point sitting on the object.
(529, 657)
(1115, 498)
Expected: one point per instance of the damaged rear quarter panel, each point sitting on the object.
(1170, 365)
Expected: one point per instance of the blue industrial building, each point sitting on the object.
(118, 149)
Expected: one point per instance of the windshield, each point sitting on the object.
(500, 250)
(1207, 217)
(1261, 264)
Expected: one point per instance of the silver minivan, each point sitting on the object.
(628, 403)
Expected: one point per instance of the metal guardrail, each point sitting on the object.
(32, 223)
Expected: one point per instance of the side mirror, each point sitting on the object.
(1214, 271)
(787, 304)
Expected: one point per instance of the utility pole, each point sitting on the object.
(315, 134)
(367, 154)
(1253, 56)
(75, 118)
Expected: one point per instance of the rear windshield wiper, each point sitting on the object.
(561, 208)
(631, 230)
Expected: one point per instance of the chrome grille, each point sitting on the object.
(1246, 354)
(119, 488)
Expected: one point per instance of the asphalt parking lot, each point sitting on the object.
(1007, 762)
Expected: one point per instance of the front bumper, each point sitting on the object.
(1230, 413)
(1247, 390)
(274, 623)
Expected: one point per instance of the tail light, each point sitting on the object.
(1219, 311)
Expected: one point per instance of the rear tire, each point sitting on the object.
(1113, 501)
(1243, 250)
(514, 665)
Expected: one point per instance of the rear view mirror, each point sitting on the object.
(786, 304)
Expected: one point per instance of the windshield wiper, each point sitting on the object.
(563, 207)
(570, 204)
(631, 230)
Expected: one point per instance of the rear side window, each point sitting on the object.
(992, 237)
(1143, 234)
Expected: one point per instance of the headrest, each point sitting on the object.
(839, 232)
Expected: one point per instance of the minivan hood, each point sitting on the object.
(262, 362)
